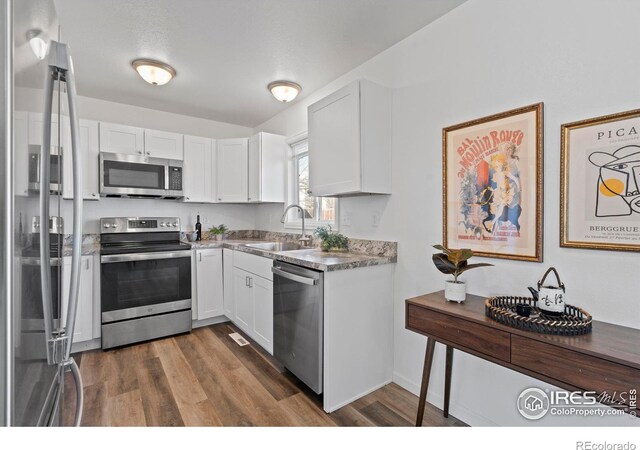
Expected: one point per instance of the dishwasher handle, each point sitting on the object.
(292, 276)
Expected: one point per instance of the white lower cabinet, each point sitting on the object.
(83, 330)
(243, 300)
(253, 299)
(262, 293)
(209, 290)
(227, 277)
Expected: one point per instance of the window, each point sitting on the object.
(318, 211)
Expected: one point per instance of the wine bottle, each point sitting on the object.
(198, 229)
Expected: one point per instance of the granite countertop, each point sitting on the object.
(313, 258)
(362, 253)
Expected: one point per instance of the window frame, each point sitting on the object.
(298, 147)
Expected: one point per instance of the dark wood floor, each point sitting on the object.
(205, 379)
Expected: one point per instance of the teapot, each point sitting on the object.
(550, 299)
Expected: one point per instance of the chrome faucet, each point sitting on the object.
(304, 239)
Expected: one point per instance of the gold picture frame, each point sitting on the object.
(492, 184)
(600, 183)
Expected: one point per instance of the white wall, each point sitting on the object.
(579, 58)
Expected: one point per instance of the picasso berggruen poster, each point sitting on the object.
(600, 198)
(492, 185)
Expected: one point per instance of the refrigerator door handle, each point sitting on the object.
(45, 249)
(76, 254)
(75, 370)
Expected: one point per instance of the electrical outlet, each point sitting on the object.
(345, 219)
(375, 219)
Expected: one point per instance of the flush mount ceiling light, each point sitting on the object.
(154, 72)
(284, 91)
(37, 44)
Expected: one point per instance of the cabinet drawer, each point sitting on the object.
(576, 369)
(458, 331)
(257, 265)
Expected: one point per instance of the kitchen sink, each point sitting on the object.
(275, 246)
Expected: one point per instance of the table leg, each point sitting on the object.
(447, 380)
(426, 372)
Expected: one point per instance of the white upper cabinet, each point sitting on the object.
(267, 168)
(232, 170)
(35, 129)
(350, 141)
(161, 144)
(89, 154)
(116, 138)
(198, 169)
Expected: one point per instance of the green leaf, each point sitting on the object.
(473, 266)
(442, 249)
(443, 264)
(465, 254)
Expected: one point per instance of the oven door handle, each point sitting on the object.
(107, 259)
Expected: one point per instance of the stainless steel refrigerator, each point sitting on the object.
(39, 132)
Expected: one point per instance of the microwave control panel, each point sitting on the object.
(175, 178)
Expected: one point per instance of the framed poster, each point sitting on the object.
(600, 183)
(492, 185)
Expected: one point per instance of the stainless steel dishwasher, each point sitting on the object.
(298, 310)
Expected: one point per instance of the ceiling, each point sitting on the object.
(225, 52)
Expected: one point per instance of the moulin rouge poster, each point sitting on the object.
(492, 185)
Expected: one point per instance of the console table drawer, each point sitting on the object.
(461, 332)
(576, 369)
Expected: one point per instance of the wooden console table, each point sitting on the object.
(605, 361)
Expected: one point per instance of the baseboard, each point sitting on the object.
(353, 399)
(210, 321)
(456, 409)
(86, 345)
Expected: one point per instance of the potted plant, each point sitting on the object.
(219, 231)
(455, 262)
(331, 240)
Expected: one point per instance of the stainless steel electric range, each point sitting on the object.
(145, 279)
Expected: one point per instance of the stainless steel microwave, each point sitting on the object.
(55, 169)
(139, 176)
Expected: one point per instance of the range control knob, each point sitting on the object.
(107, 225)
(162, 224)
(174, 224)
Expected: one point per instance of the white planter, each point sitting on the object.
(455, 292)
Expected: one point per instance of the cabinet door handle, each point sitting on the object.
(200, 256)
(246, 281)
(139, 152)
(86, 264)
(219, 199)
(250, 282)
